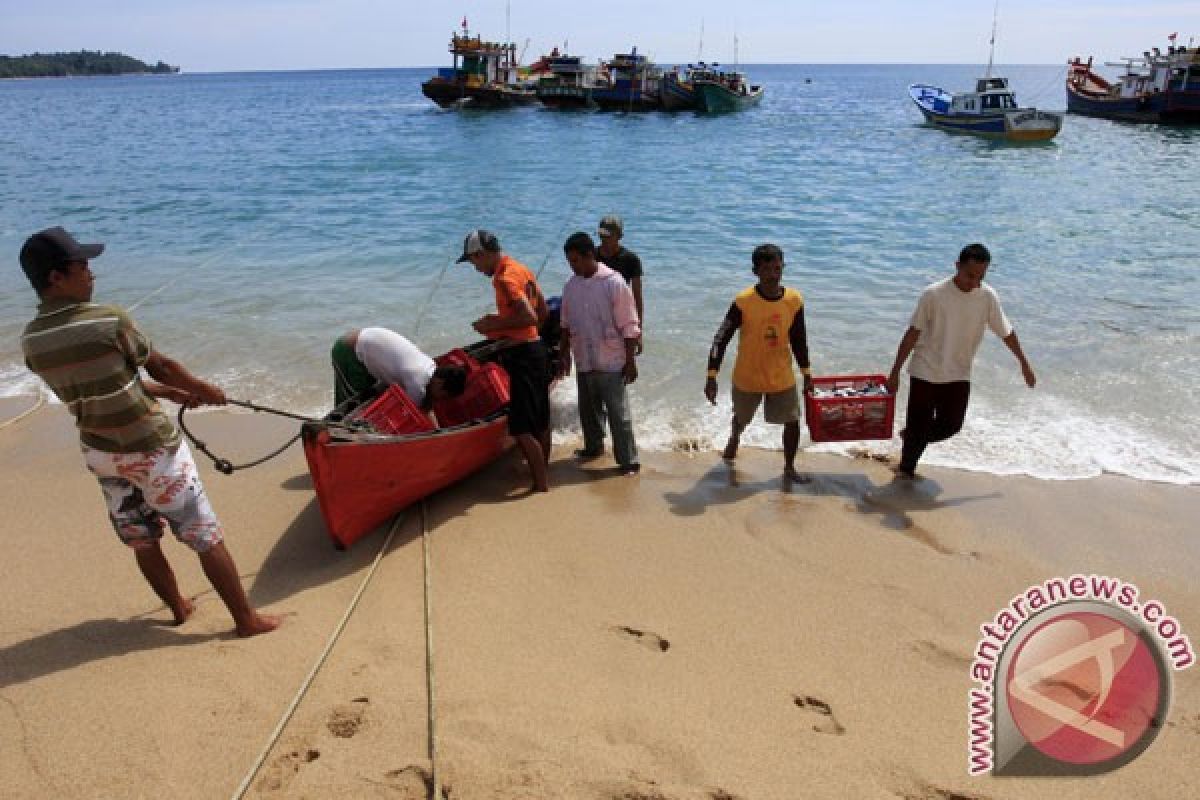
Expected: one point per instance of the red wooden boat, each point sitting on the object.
(364, 478)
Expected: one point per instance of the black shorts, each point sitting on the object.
(529, 373)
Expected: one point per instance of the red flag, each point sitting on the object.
(1171, 38)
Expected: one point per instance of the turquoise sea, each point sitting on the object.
(252, 217)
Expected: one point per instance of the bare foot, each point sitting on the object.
(186, 607)
(790, 473)
(259, 623)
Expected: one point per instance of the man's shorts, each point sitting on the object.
(780, 408)
(529, 373)
(145, 492)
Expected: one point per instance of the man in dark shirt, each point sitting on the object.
(613, 255)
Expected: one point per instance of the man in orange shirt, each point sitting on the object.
(520, 310)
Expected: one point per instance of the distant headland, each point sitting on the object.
(83, 62)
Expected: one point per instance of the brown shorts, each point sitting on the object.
(780, 408)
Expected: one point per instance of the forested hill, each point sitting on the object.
(84, 62)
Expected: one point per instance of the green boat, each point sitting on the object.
(726, 91)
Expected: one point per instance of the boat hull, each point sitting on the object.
(363, 481)
(1174, 108)
(449, 94)
(677, 95)
(621, 99)
(713, 98)
(566, 98)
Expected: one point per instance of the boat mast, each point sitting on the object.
(700, 50)
(992, 52)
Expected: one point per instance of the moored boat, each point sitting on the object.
(678, 87)
(1157, 87)
(483, 75)
(990, 111)
(569, 82)
(633, 84)
(726, 91)
(364, 478)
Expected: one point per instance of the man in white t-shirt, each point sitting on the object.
(364, 357)
(943, 337)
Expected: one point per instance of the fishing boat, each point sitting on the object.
(1156, 87)
(678, 87)
(990, 111)
(569, 83)
(364, 477)
(726, 91)
(633, 84)
(483, 75)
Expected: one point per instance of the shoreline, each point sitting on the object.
(694, 632)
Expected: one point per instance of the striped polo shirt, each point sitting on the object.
(89, 355)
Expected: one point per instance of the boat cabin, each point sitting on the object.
(479, 63)
(991, 95)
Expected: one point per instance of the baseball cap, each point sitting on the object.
(477, 241)
(611, 226)
(51, 249)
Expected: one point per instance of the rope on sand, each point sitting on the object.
(41, 401)
(304, 687)
(429, 682)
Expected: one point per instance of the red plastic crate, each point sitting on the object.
(849, 419)
(458, 358)
(394, 412)
(487, 392)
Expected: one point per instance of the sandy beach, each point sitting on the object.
(697, 632)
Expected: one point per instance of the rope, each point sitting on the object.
(41, 401)
(437, 284)
(223, 465)
(304, 687)
(429, 681)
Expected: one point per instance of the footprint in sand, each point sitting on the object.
(285, 767)
(411, 783)
(822, 715)
(645, 638)
(345, 721)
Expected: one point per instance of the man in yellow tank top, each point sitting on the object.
(770, 319)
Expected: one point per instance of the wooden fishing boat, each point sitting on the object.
(483, 75)
(1158, 87)
(990, 111)
(633, 84)
(726, 91)
(569, 83)
(363, 478)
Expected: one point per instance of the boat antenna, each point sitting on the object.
(700, 50)
(992, 52)
(508, 22)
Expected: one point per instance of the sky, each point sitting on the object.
(235, 35)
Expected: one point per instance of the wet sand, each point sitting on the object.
(699, 631)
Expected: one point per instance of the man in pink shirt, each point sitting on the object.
(600, 331)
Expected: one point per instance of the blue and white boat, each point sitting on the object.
(991, 111)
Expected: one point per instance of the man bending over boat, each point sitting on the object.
(364, 357)
(91, 356)
(520, 311)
